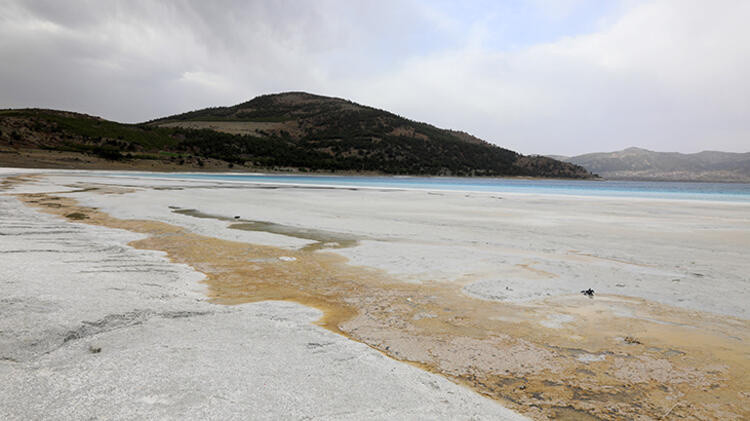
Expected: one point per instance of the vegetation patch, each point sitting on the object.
(324, 134)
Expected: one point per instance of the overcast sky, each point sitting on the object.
(537, 76)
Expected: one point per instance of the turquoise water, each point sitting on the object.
(731, 192)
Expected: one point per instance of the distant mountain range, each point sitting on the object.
(642, 164)
(292, 131)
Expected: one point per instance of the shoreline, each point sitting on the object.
(604, 196)
(386, 338)
(252, 170)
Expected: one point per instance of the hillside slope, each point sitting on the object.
(290, 131)
(637, 163)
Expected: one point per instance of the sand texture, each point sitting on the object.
(480, 289)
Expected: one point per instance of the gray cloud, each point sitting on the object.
(667, 75)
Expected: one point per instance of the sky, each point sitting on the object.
(538, 76)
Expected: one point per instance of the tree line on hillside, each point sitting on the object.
(329, 138)
(389, 154)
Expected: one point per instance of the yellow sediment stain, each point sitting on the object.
(676, 362)
(592, 257)
(10, 181)
(538, 272)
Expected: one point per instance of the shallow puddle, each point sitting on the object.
(323, 239)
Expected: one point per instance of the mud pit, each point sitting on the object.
(561, 358)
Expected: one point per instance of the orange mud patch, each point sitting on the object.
(10, 181)
(561, 358)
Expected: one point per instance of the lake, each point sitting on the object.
(727, 192)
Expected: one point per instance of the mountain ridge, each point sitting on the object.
(643, 164)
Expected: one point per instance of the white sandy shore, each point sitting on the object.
(158, 334)
(166, 353)
(691, 254)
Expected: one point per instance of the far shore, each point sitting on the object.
(60, 160)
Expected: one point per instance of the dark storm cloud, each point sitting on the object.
(667, 75)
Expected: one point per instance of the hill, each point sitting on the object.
(291, 131)
(643, 164)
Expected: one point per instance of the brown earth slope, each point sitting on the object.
(291, 131)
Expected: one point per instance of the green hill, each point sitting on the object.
(290, 131)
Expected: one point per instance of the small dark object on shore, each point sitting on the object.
(632, 340)
(236, 217)
(95, 349)
(588, 292)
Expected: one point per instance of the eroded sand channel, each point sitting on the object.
(610, 357)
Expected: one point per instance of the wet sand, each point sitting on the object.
(541, 352)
